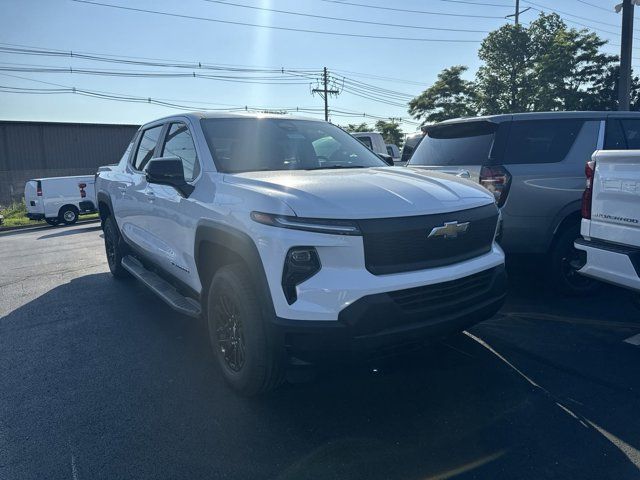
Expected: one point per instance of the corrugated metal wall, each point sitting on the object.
(42, 149)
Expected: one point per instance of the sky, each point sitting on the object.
(374, 76)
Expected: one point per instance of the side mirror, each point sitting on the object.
(388, 159)
(168, 171)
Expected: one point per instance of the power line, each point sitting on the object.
(481, 4)
(541, 8)
(380, 90)
(192, 64)
(278, 80)
(106, 58)
(599, 7)
(173, 103)
(21, 49)
(380, 77)
(274, 27)
(349, 20)
(405, 10)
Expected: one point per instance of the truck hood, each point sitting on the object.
(365, 193)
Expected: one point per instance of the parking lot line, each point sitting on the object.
(634, 340)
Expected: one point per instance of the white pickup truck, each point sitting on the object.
(611, 218)
(296, 242)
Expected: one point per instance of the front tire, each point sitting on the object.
(238, 334)
(114, 248)
(564, 259)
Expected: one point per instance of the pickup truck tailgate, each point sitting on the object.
(615, 208)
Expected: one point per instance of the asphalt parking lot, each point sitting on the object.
(102, 380)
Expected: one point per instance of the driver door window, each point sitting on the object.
(179, 143)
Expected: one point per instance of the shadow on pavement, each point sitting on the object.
(101, 373)
(75, 231)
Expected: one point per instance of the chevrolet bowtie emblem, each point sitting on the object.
(449, 230)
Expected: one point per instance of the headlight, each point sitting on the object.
(319, 225)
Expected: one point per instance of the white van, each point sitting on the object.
(60, 199)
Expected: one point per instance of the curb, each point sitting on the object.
(41, 227)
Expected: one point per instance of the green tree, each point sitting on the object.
(449, 97)
(545, 66)
(390, 132)
(503, 81)
(352, 127)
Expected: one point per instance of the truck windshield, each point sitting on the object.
(254, 144)
(467, 143)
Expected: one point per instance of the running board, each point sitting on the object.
(162, 288)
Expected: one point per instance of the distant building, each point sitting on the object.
(51, 149)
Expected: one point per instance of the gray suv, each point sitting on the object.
(534, 165)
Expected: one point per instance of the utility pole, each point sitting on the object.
(624, 82)
(325, 92)
(517, 13)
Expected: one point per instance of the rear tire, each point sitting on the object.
(52, 221)
(68, 215)
(238, 334)
(564, 257)
(114, 248)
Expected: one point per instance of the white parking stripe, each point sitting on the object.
(635, 340)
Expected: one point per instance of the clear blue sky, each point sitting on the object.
(79, 27)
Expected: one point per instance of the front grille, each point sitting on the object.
(441, 297)
(393, 245)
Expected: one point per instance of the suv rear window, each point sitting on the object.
(622, 134)
(467, 143)
(540, 141)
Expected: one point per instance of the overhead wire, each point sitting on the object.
(343, 19)
(275, 27)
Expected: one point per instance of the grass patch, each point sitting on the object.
(15, 215)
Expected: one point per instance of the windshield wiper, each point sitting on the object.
(334, 167)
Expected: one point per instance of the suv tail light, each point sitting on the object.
(497, 180)
(589, 171)
(39, 188)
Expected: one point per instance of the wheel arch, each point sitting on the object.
(68, 206)
(568, 216)
(217, 245)
(105, 207)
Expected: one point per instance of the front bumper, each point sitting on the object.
(611, 263)
(381, 323)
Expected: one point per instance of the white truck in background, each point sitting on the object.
(375, 142)
(60, 199)
(611, 218)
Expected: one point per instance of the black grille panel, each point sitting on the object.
(393, 245)
(442, 297)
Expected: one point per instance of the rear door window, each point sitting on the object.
(146, 147)
(467, 143)
(541, 141)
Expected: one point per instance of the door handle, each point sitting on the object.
(150, 195)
